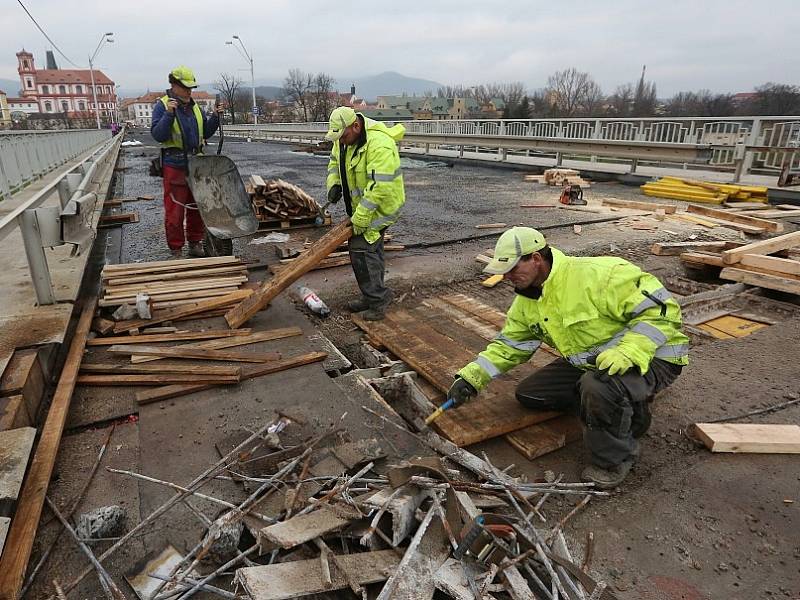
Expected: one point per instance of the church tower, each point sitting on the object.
(27, 73)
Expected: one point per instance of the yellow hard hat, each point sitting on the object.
(341, 119)
(513, 245)
(185, 76)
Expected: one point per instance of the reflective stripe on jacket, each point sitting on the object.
(373, 176)
(176, 141)
(587, 305)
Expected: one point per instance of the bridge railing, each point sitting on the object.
(747, 144)
(26, 156)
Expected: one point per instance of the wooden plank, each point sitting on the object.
(325, 263)
(195, 353)
(736, 218)
(185, 285)
(161, 368)
(253, 338)
(749, 437)
(168, 265)
(302, 578)
(516, 585)
(772, 214)
(269, 290)
(676, 248)
(640, 205)
(175, 275)
(782, 242)
(717, 222)
(703, 258)
(15, 450)
(538, 440)
(249, 372)
(491, 226)
(182, 311)
(13, 413)
(31, 500)
(492, 281)
(772, 263)
(24, 376)
(123, 379)
(771, 282)
(168, 337)
(163, 300)
(300, 529)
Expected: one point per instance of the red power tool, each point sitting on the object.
(572, 195)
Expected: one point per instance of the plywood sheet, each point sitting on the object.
(731, 326)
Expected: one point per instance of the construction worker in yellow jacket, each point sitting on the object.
(617, 329)
(364, 169)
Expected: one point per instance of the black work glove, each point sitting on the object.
(335, 194)
(461, 391)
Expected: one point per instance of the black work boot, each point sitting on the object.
(607, 479)
(358, 305)
(376, 313)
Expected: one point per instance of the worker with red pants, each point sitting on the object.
(182, 128)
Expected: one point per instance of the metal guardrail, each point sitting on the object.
(26, 156)
(743, 144)
(69, 222)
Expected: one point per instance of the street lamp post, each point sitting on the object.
(249, 59)
(106, 38)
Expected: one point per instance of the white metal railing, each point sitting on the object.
(26, 156)
(728, 137)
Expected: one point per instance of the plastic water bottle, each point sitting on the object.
(312, 301)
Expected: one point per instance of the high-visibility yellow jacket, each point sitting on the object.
(587, 305)
(373, 176)
(176, 141)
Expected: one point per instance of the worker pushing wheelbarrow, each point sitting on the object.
(205, 191)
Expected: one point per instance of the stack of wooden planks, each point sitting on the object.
(444, 334)
(678, 188)
(279, 204)
(559, 177)
(172, 283)
(754, 264)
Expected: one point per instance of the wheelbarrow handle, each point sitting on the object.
(221, 132)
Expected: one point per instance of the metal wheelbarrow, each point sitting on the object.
(222, 200)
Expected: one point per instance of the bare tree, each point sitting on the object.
(620, 103)
(322, 101)
(228, 85)
(242, 100)
(777, 99)
(296, 88)
(569, 90)
(455, 91)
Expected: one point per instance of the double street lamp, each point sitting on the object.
(106, 38)
(246, 55)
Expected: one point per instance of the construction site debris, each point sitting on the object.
(103, 522)
(559, 177)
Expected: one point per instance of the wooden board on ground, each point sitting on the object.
(749, 437)
(764, 280)
(640, 205)
(538, 440)
(301, 578)
(731, 326)
(195, 353)
(771, 263)
(781, 242)
(29, 506)
(168, 337)
(437, 347)
(269, 290)
(676, 248)
(736, 218)
(15, 449)
(161, 368)
(154, 379)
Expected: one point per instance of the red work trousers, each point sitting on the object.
(179, 204)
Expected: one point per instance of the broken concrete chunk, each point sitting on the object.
(300, 529)
(224, 536)
(103, 522)
(126, 312)
(401, 508)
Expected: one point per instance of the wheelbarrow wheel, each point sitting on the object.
(215, 246)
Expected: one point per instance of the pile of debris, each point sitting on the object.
(278, 204)
(329, 515)
(559, 177)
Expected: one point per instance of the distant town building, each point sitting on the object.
(388, 114)
(437, 108)
(22, 106)
(139, 111)
(66, 91)
(5, 111)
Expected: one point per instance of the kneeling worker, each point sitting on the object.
(617, 329)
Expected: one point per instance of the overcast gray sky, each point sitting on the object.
(728, 46)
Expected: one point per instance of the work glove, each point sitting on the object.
(613, 361)
(335, 193)
(358, 230)
(461, 391)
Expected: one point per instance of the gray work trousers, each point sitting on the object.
(368, 267)
(613, 409)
